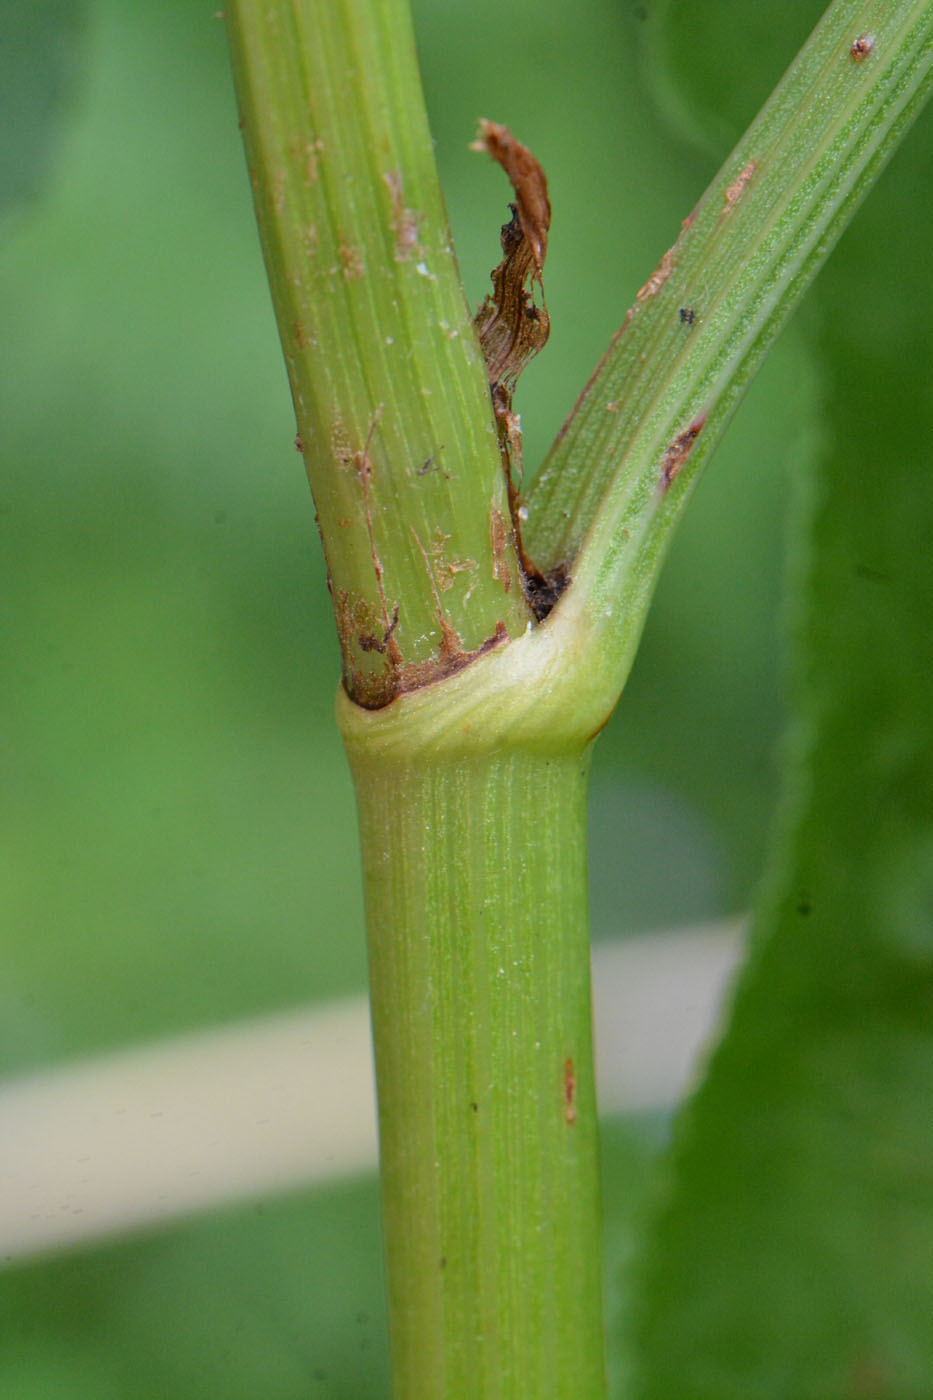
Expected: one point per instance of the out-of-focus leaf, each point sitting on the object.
(278, 1300)
(792, 1255)
(40, 58)
(713, 65)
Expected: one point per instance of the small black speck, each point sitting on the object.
(803, 907)
(475, 1107)
(443, 1261)
(687, 315)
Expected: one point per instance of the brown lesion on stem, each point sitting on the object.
(570, 1092)
(404, 221)
(364, 470)
(499, 539)
(657, 279)
(367, 625)
(513, 326)
(739, 185)
(451, 645)
(351, 261)
(679, 450)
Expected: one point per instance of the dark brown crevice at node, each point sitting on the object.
(544, 590)
(373, 691)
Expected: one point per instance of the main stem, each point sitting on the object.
(475, 872)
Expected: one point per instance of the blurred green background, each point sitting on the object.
(179, 828)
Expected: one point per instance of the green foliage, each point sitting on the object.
(792, 1252)
(712, 66)
(266, 1303)
(41, 59)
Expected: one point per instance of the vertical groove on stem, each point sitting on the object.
(476, 904)
(388, 380)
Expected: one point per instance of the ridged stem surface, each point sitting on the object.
(475, 873)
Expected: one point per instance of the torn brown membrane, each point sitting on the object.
(513, 325)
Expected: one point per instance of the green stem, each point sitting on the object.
(617, 478)
(475, 869)
(387, 378)
(471, 792)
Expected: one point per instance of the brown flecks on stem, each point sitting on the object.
(570, 1093)
(364, 471)
(299, 445)
(613, 405)
(862, 47)
(657, 279)
(340, 445)
(312, 160)
(299, 336)
(499, 538)
(679, 450)
(369, 642)
(359, 622)
(446, 570)
(404, 221)
(451, 645)
(739, 185)
(368, 625)
(351, 261)
(416, 674)
(373, 691)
